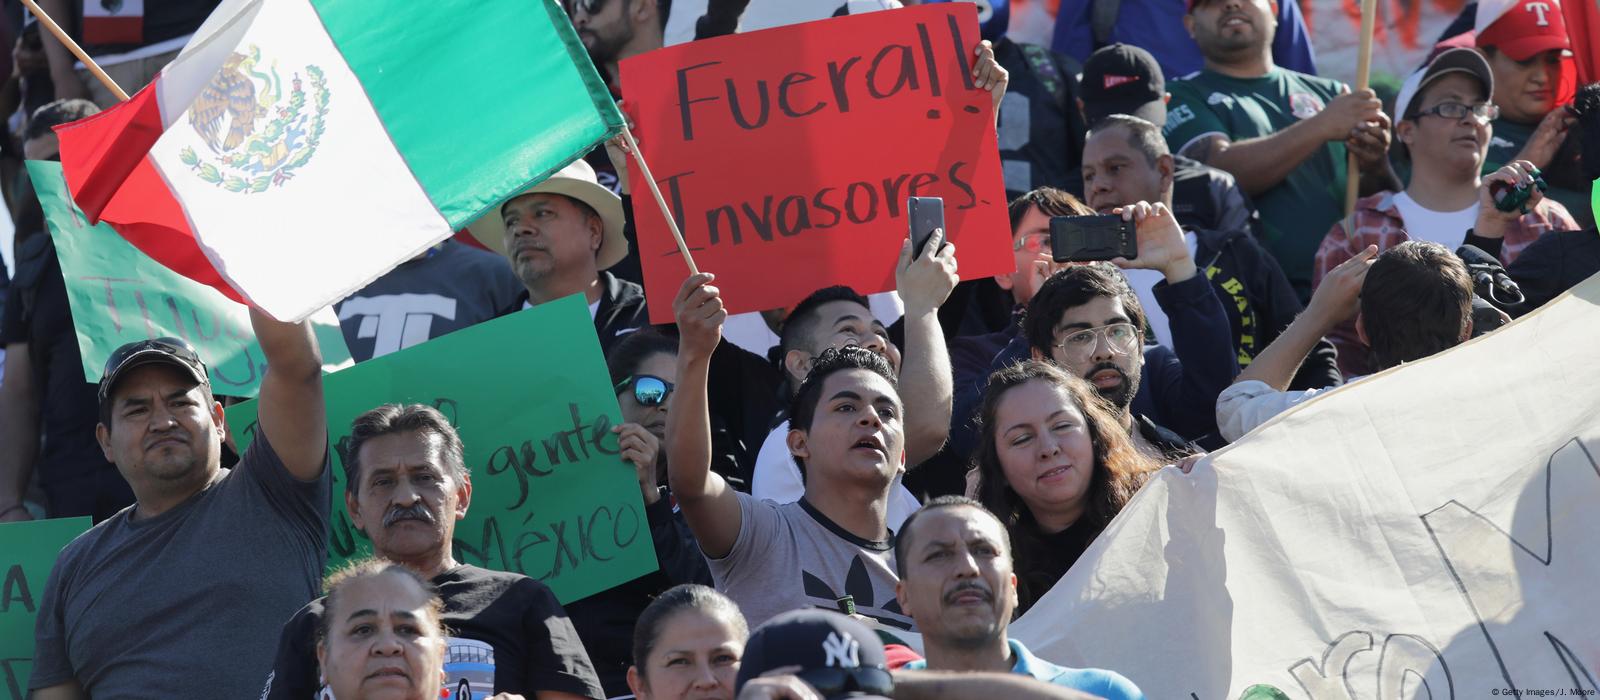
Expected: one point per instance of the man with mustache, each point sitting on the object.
(1087, 319)
(1283, 134)
(406, 486)
(561, 236)
(1126, 161)
(956, 581)
(185, 588)
(1445, 125)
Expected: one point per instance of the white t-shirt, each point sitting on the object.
(1447, 228)
(1144, 282)
(777, 478)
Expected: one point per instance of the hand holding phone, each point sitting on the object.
(926, 215)
(1161, 243)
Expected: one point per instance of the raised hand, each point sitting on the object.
(1161, 243)
(699, 312)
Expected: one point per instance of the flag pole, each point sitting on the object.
(1352, 173)
(666, 212)
(76, 50)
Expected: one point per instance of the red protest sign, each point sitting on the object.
(787, 155)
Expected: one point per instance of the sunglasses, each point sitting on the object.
(648, 390)
(831, 681)
(589, 7)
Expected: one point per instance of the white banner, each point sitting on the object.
(1430, 532)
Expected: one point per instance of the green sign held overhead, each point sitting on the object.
(119, 295)
(531, 399)
(27, 553)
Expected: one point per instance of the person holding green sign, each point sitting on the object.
(832, 547)
(407, 485)
(183, 592)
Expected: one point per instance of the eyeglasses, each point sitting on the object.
(834, 682)
(589, 7)
(1484, 112)
(648, 390)
(1120, 337)
(1032, 242)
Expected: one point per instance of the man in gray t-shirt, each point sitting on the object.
(848, 436)
(183, 593)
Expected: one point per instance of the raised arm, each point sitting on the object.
(1334, 302)
(709, 504)
(292, 414)
(66, 691)
(19, 432)
(925, 377)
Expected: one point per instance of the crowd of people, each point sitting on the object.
(860, 508)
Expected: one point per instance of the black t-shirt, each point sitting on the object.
(508, 622)
(1042, 559)
(36, 313)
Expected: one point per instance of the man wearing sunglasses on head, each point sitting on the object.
(188, 587)
(1446, 125)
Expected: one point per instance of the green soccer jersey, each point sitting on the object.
(1298, 212)
(1508, 140)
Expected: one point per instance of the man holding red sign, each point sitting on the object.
(801, 144)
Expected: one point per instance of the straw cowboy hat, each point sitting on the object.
(578, 182)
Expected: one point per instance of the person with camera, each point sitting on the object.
(1560, 260)
(1445, 125)
(1127, 161)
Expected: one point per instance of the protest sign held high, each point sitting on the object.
(787, 155)
(119, 295)
(530, 397)
(27, 552)
(1429, 530)
(298, 149)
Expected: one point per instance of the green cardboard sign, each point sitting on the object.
(27, 553)
(531, 398)
(119, 295)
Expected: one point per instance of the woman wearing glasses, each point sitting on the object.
(1055, 465)
(644, 372)
(1446, 126)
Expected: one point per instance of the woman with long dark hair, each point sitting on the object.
(1056, 465)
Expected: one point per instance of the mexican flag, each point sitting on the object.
(296, 150)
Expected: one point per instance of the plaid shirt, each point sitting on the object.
(1376, 221)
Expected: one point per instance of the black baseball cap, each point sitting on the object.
(837, 656)
(1124, 79)
(169, 351)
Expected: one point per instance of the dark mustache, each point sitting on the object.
(415, 511)
(969, 586)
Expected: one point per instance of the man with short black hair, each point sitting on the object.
(186, 588)
(407, 484)
(1283, 134)
(613, 30)
(1412, 301)
(835, 317)
(846, 428)
(1126, 161)
(956, 580)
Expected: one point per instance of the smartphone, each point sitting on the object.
(925, 214)
(1086, 238)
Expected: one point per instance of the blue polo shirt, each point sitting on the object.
(1106, 684)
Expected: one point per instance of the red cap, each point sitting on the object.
(1523, 28)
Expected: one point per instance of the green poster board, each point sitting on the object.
(27, 553)
(531, 399)
(119, 295)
